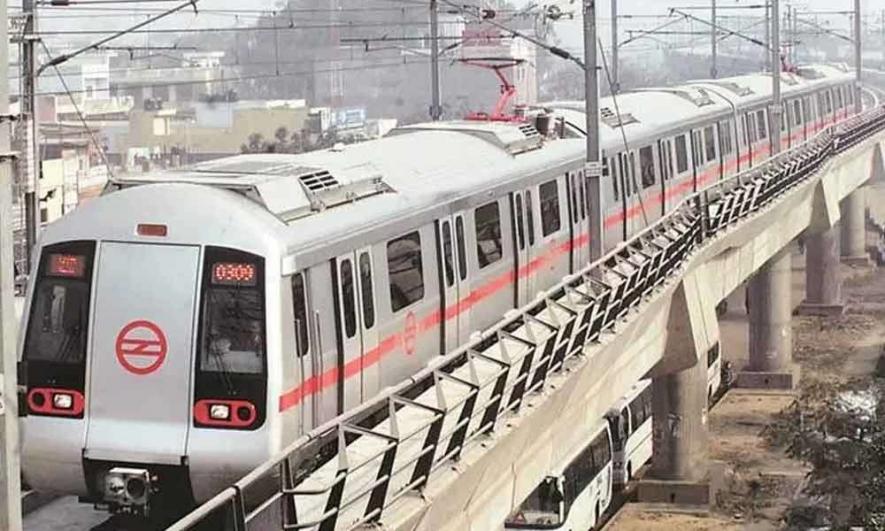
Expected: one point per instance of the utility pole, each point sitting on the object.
(714, 40)
(858, 57)
(10, 471)
(435, 107)
(767, 56)
(593, 169)
(776, 104)
(616, 74)
(30, 153)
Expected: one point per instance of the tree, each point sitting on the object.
(846, 449)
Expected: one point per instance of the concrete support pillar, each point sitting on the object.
(680, 425)
(770, 331)
(680, 470)
(823, 280)
(854, 251)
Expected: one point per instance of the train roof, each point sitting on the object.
(424, 169)
(649, 113)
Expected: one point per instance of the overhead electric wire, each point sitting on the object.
(237, 79)
(80, 115)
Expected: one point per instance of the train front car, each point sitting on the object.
(148, 331)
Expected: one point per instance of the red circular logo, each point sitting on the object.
(410, 334)
(141, 347)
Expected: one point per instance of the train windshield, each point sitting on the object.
(59, 317)
(541, 510)
(232, 339)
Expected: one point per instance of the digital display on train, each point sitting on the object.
(67, 265)
(234, 274)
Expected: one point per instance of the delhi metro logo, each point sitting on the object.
(141, 347)
(410, 334)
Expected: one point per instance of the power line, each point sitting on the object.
(237, 79)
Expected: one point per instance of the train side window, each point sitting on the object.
(405, 270)
(550, 217)
(797, 113)
(710, 142)
(462, 250)
(348, 305)
(487, 220)
(726, 143)
(299, 313)
(448, 253)
(610, 163)
(647, 166)
(520, 231)
(761, 125)
(631, 184)
(583, 197)
(681, 155)
(367, 291)
(530, 216)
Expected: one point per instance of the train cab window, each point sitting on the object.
(59, 319)
(232, 313)
(550, 217)
(710, 143)
(797, 113)
(367, 291)
(405, 270)
(299, 313)
(681, 155)
(647, 166)
(761, 125)
(487, 219)
(530, 217)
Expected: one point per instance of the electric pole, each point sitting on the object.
(858, 57)
(714, 36)
(30, 152)
(435, 107)
(767, 56)
(776, 108)
(616, 75)
(593, 169)
(10, 471)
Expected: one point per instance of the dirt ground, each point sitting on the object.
(760, 480)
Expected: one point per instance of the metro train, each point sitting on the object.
(187, 325)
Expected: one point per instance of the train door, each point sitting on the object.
(458, 311)
(577, 210)
(697, 153)
(142, 351)
(648, 190)
(349, 333)
(665, 162)
(448, 264)
(369, 368)
(521, 249)
(304, 351)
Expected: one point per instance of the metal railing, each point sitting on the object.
(346, 472)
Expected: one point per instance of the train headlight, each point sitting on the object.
(62, 401)
(219, 412)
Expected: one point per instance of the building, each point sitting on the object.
(201, 131)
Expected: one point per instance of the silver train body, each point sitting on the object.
(187, 325)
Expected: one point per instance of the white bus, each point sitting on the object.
(630, 421)
(714, 372)
(574, 497)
